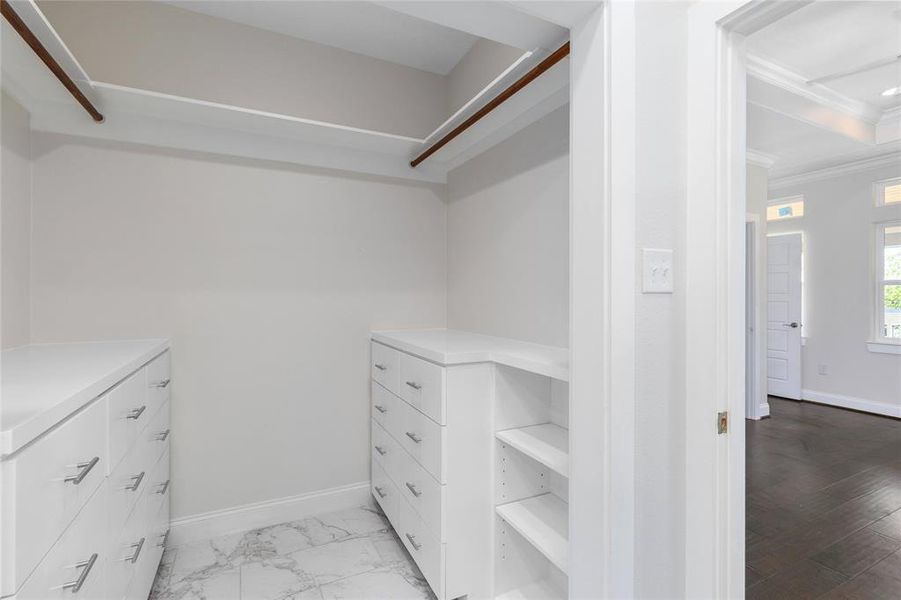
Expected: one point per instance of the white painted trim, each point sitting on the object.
(884, 347)
(267, 513)
(855, 166)
(602, 304)
(786, 79)
(763, 410)
(870, 406)
(760, 159)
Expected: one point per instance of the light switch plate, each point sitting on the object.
(657, 271)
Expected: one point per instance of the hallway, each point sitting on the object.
(823, 504)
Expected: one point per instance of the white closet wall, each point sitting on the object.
(15, 217)
(267, 278)
(508, 237)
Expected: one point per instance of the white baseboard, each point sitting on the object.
(263, 514)
(870, 406)
(763, 410)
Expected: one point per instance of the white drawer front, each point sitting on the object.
(45, 486)
(385, 367)
(77, 560)
(385, 405)
(128, 546)
(423, 546)
(384, 449)
(128, 413)
(421, 437)
(155, 436)
(385, 493)
(158, 382)
(157, 491)
(422, 386)
(127, 484)
(423, 493)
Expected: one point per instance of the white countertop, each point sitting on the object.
(42, 384)
(452, 347)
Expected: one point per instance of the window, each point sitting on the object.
(785, 208)
(888, 282)
(888, 192)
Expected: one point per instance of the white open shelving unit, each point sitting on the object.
(150, 117)
(531, 485)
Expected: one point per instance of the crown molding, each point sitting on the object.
(761, 159)
(786, 79)
(847, 168)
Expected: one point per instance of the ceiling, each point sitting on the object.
(816, 79)
(361, 27)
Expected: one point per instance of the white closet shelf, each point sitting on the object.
(543, 521)
(452, 347)
(547, 443)
(537, 590)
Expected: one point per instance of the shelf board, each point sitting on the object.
(544, 522)
(537, 590)
(547, 443)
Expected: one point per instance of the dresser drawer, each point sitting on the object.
(425, 548)
(421, 437)
(385, 493)
(157, 490)
(385, 368)
(77, 560)
(384, 449)
(385, 405)
(155, 436)
(128, 413)
(45, 485)
(158, 382)
(129, 545)
(423, 493)
(146, 562)
(422, 386)
(127, 485)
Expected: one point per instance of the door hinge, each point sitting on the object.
(722, 422)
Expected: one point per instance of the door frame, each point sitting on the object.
(756, 405)
(715, 290)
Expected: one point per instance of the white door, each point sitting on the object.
(783, 365)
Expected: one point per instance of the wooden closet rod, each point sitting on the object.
(22, 29)
(555, 57)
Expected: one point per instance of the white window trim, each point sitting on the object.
(879, 342)
(786, 200)
(879, 191)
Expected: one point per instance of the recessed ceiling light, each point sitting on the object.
(892, 91)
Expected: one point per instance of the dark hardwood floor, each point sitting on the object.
(823, 504)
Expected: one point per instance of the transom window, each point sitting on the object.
(888, 282)
(888, 192)
(785, 208)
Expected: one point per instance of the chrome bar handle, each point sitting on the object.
(161, 436)
(413, 543)
(380, 367)
(161, 384)
(413, 489)
(137, 482)
(85, 567)
(163, 487)
(381, 408)
(85, 469)
(138, 546)
(379, 491)
(136, 413)
(381, 450)
(413, 385)
(414, 437)
(165, 538)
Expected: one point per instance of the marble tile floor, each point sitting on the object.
(350, 554)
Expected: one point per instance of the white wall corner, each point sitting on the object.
(271, 512)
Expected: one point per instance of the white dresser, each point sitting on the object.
(84, 455)
(470, 459)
